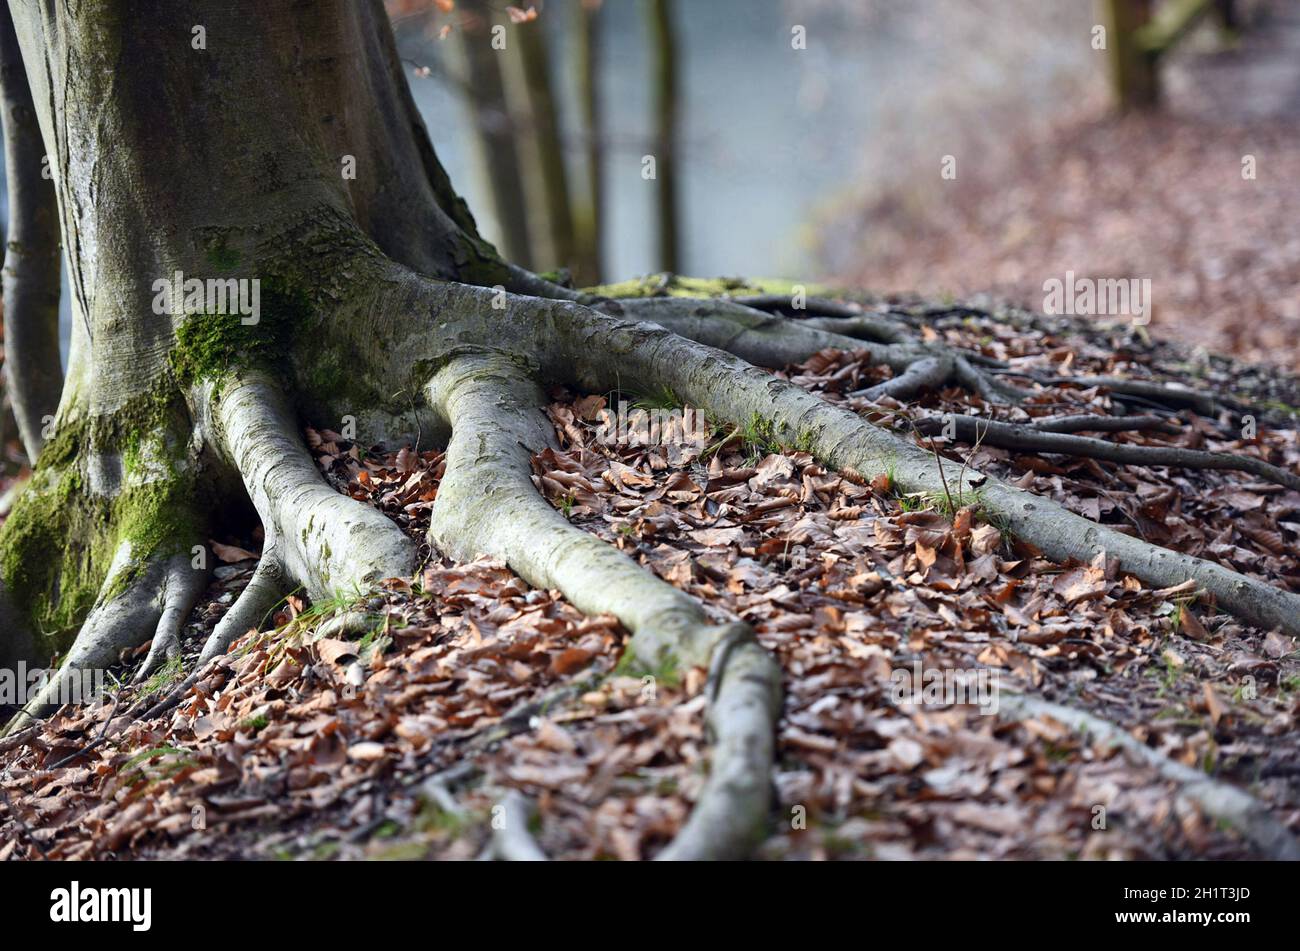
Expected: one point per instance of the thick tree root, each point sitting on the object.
(325, 542)
(138, 600)
(316, 539)
(1218, 800)
(731, 390)
(733, 807)
(487, 504)
(973, 429)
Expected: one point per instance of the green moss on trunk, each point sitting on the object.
(59, 542)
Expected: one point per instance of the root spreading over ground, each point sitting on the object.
(537, 641)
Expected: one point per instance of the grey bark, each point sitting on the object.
(33, 370)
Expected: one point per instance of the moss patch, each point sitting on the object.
(59, 541)
(211, 346)
(658, 285)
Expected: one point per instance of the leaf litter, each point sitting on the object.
(399, 739)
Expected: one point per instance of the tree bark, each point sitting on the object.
(663, 52)
(495, 137)
(33, 368)
(589, 222)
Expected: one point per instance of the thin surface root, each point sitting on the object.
(973, 429)
(1217, 799)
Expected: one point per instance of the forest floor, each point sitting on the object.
(1170, 197)
(400, 739)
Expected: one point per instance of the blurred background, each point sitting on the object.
(806, 139)
(945, 147)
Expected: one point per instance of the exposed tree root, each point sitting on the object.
(732, 390)
(1008, 436)
(325, 542)
(137, 601)
(831, 316)
(732, 809)
(487, 504)
(511, 840)
(772, 340)
(1217, 799)
(181, 586)
(763, 339)
(923, 374)
(1101, 424)
(265, 590)
(1145, 391)
(489, 368)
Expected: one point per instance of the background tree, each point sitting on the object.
(665, 106)
(1143, 32)
(590, 209)
(495, 139)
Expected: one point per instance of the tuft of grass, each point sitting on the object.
(174, 759)
(165, 676)
(661, 397)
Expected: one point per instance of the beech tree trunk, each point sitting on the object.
(247, 141)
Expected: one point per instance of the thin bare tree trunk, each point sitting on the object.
(1134, 72)
(32, 368)
(589, 213)
(495, 138)
(544, 124)
(663, 47)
